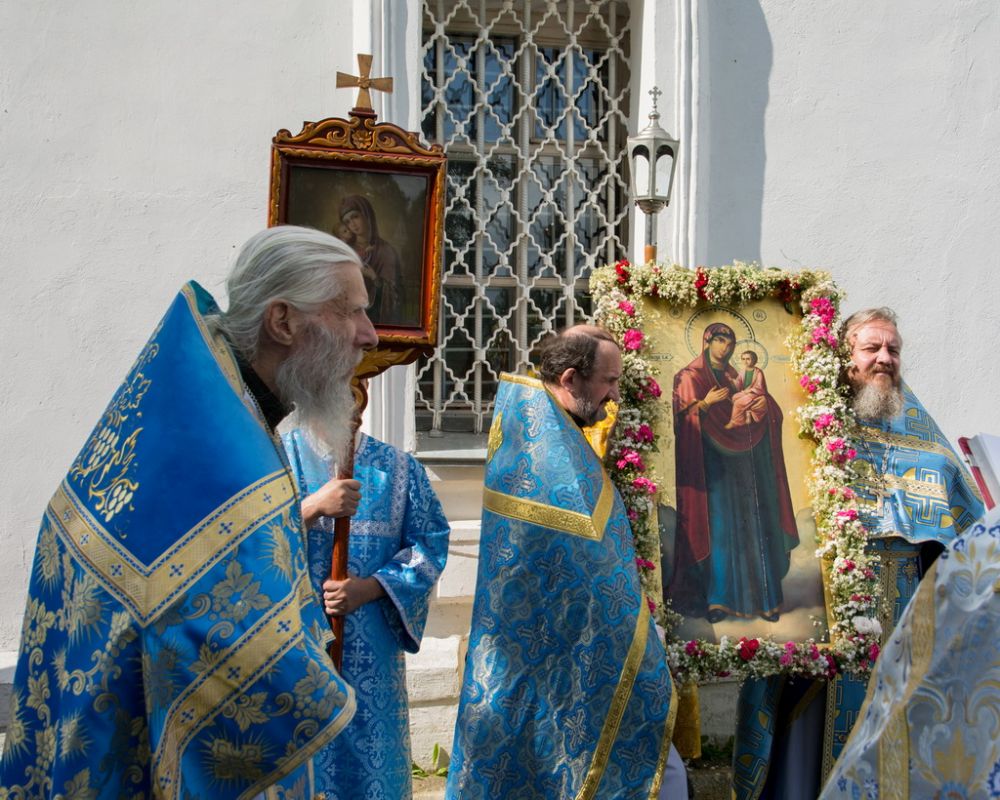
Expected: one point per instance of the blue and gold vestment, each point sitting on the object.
(172, 645)
(566, 692)
(912, 490)
(930, 726)
(399, 535)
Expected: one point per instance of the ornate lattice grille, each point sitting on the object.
(530, 100)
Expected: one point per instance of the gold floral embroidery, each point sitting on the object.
(39, 694)
(231, 762)
(316, 695)
(73, 739)
(17, 733)
(158, 670)
(247, 710)
(236, 595)
(78, 788)
(45, 746)
(48, 555)
(62, 674)
(82, 606)
(37, 621)
(496, 436)
(280, 548)
(108, 457)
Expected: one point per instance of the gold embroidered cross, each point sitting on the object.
(364, 82)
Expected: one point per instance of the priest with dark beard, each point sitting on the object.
(172, 645)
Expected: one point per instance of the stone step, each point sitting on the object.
(710, 783)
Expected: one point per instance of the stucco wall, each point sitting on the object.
(134, 147)
(865, 139)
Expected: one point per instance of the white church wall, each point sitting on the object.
(864, 139)
(135, 143)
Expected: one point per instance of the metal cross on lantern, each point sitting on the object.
(651, 177)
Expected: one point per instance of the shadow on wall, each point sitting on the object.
(735, 66)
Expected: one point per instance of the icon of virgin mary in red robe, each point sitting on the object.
(735, 523)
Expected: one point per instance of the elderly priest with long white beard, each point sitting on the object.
(566, 690)
(173, 646)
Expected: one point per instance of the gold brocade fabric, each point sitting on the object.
(566, 692)
(929, 725)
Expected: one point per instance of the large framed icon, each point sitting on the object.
(381, 190)
(732, 454)
(737, 525)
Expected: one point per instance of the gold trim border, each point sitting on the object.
(894, 744)
(587, 526)
(912, 442)
(250, 658)
(524, 380)
(216, 343)
(668, 737)
(623, 691)
(146, 590)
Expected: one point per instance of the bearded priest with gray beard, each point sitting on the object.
(914, 497)
(914, 494)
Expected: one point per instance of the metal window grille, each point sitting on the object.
(530, 100)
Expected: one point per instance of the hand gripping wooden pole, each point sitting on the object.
(342, 525)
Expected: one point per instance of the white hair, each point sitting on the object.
(857, 320)
(287, 262)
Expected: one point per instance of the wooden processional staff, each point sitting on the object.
(312, 172)
(345, 470)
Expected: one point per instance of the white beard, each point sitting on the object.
(316, 379)
(875, 402)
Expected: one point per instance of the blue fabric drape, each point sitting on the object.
(172, 646)
(399, 535)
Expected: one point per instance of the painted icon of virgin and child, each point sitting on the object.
(359, 228)
(735, 522)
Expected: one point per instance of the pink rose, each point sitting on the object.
(644, 484)
(630, 458)
(627, 307)
(633, 339)
(823, 421)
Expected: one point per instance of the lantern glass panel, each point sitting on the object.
(640, 171)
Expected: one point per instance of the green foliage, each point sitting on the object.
(437, 768)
